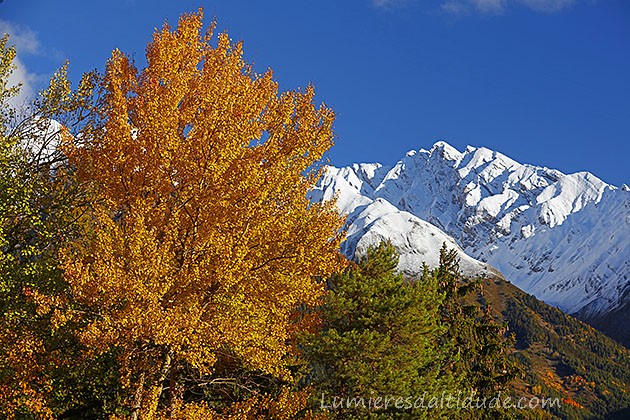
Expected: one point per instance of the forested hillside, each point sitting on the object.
(560, 355)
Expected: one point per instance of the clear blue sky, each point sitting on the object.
(546, 82)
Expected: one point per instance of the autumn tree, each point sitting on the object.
(40, 364)
(17, 345)
(200, 244)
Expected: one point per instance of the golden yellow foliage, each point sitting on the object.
(26, 391)
(286, 406)
(200, 239)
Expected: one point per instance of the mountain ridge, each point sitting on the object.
(561, 237)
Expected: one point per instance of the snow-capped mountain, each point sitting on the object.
(563, 238)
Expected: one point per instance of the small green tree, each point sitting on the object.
(379, 338)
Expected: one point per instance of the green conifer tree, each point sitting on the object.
(428, 339)
(379, 339)
(475, 344)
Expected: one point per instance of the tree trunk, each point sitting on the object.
(145, 402)
(137, 398)
(166, 367)
(175, 391)
(156, 389)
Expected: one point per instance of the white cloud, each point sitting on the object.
(496, 7)
(386, 4)
(27, 80)
(454, 7)
(26, 42)
(24, 38)
(547, 5)
(490, 6)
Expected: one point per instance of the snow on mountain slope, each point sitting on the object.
(370, 221)
(416, 240)
(563, 238)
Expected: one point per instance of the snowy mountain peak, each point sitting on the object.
(548, 232)
(446, 151)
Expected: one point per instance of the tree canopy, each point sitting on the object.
(195, 242)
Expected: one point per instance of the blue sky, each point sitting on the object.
(546, 82)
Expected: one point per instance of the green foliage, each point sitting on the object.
(43, 365)
(477, 343)
(379, 336)
(383, 335)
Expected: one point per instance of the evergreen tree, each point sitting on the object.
(475, 344)
(379, 338)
